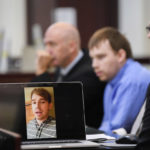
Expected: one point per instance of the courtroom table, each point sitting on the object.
(90, 130)
(16, 77)
(97, 148)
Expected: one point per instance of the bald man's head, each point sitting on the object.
(62, 42)
(66, 31)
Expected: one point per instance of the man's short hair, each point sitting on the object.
(42, 92)
(115, 38)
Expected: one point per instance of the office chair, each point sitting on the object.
(9, 140)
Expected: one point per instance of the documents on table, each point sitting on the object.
(107, 141)
(99, 136)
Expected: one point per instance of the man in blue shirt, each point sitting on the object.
(127, 79)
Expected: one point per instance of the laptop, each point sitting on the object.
(66, 113)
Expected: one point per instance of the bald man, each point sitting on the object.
(62, 50)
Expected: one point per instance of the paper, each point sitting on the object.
(99, 136)
(120, 131)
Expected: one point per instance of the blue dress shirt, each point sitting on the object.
(123, 97)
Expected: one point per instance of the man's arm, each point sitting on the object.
(127, 101)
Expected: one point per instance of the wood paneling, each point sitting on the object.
(16, 77)
(38, 11)
(91, 15)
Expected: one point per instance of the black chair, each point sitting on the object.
(9, 140)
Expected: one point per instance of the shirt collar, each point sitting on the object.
(44, 122)
(65, 70)
(120, 73)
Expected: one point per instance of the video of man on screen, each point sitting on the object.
(40, 112)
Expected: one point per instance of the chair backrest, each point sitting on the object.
(137, 123)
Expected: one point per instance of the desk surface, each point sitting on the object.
(103, 146)
(108, 144)
(98, 148)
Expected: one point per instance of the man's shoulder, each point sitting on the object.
(85, 62)
(51, 123)
(31, 123)
(86, 56)
(83, 65)
(136, 66)
(137, 71)
(51, 120)
(133, 74)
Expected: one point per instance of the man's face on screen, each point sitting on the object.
(40, 107)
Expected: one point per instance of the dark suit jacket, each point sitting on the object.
(93, 89)
(144, 137)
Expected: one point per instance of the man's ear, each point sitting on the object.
(73, 46)
(122, 55)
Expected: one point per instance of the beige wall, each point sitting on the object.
(134, 15)
(13, 23)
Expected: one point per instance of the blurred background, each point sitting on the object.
(23, 23)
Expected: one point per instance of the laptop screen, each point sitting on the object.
(43, 111)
